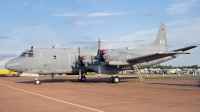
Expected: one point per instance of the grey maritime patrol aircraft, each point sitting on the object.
(101, 61)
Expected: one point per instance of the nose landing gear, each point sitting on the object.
(37, 81)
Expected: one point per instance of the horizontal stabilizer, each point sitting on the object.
(185, 48)
(154, 56)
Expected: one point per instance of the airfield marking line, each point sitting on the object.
(53, 98)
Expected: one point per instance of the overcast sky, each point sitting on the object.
(119, 24)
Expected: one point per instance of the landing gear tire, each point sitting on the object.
(79, 79)
(114, 79)
(37, 82)
(82, 79)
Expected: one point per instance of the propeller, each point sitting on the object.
(100, 52)
(82, 61)
(80, 58)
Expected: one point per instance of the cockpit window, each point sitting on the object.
(30, 54)
(26, 55)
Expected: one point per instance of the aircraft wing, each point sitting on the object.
(154, 56)
(185, 48)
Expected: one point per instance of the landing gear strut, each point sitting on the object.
(81, 77)
(114, 79)
(140, 76)
(52, 76)
(37, 81)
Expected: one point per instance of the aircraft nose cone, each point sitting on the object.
(13, 65)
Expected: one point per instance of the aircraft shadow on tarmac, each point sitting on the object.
(181, 85)
(89, 80)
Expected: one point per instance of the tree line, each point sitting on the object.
(174, 67)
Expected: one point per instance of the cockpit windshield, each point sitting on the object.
(27, 54)
(24, 55)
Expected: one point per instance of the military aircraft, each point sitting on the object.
(102, 61)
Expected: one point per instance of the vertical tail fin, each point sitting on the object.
(160, 44)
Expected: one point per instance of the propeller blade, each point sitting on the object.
(99, 44)
(79, 74)
(99, 47)
(86, 63)
(99, 71)
(79, 53)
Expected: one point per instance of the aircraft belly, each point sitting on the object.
(106, 69)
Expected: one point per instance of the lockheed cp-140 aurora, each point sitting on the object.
(102, 61)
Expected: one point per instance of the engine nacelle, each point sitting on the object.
(103, 51)
(111, 55)
(82, 57)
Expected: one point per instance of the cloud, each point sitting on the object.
(183, 32)
(194, 44)
(72, 20)
(4, 56)
(150, 14)
(1, 47)
(39, 6)
(71, 14)
(79, 1)
(5, 37)
(3, 62)
(104, 44)
(40, 35)
(95, 2)
(83, 42)
(87, 22)
(20, 5)
(36, 24)
(9, 39)
(107, 14)
(180, 8)
(67, 14)
(87, 44)
(75, 21)
(139, 34)
(88, 38)
(3, 28)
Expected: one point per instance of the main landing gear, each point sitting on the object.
(37, 81)
(52, 77)
(114, 79)
(81, 77)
